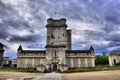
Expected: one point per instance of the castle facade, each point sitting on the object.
(58, 54)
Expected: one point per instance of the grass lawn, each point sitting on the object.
(68, 71)
(91, 69)
(19, 70)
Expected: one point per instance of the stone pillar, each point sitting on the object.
(33, 62)
(79, 62)
(93, 62)
(86, 62)
(25, 65)
(72, 63)
(40, 62)
(110, 60)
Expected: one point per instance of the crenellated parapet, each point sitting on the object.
(56, 22)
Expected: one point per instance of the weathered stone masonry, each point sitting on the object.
(58, 54)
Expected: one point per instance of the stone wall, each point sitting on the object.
(77, 62)
(113, 59)
(27, 62)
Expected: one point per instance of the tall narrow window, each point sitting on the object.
(114, 60)
(52, 36)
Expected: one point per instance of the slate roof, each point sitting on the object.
(33, 51)
(1, 44)
(64, 65)
(77, 51)
(55, 46)
(20, 47)
(91, 48)
(40, 65)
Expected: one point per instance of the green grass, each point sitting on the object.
(19, 70)
(68, 71)
(91, 69)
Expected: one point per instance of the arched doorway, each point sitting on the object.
(54, 67)
(114, 60)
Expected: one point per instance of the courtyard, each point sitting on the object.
(97, 75)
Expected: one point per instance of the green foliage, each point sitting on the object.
(101, 59)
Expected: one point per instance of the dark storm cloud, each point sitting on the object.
(113, 18)
(23, 38)
(31, 15)
(26, 39)
(36, 46)
(95, 35)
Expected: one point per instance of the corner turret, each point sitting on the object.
(19, 49)
(92, 50)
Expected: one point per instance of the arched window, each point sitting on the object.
(114, 60)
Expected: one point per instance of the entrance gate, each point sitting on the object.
(54, 67)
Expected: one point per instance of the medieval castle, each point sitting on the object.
(58, 54)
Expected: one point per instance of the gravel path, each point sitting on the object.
(49, 76)
(98, 75)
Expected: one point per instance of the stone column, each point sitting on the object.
(110, 60)
(25, 66)
(33, 62)
(93, 62)
(79, 62)
(40, 62)
(72, 63)
(86, 62)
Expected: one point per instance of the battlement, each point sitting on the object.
(56, 22)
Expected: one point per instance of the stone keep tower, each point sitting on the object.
(1, 54)
(58, 41)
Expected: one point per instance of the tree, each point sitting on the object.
(101, 59)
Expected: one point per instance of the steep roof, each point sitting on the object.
(33, 51)
(20, 47)
(91, 48)
(1, 44)
(77, 51)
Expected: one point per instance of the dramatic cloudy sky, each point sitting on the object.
(93, 22)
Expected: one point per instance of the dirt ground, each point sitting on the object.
(7, 75)
(99, 75)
